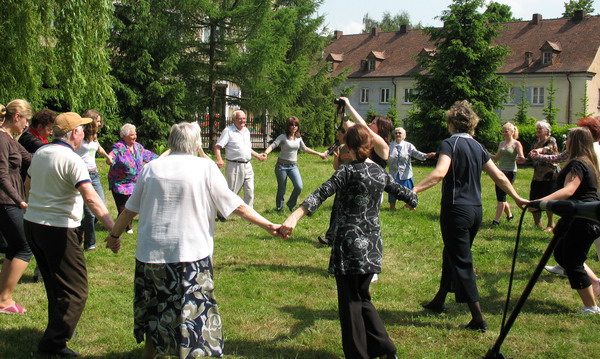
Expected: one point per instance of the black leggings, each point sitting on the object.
(577, 236)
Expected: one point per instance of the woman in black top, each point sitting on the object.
(461, 160)
(356, 252)
(577, 181)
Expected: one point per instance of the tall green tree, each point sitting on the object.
(388, 22)
(462, 67)
(149, 42)
(585, 101)
(550, 111)
(499, 12)
(522, 115)
(574, 5)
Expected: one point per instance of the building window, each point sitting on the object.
(364, 95)
(385, 95)
(408, 93)
(546, 58)
(537, 97)
(370, 65)
(510, 96)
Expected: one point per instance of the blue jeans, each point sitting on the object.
(282, 172)
(89, 220)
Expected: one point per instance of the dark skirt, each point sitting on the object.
(174, 303)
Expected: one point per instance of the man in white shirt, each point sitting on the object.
(238, 147)
(59, 184)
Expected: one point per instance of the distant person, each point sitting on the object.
(356, 252)
(509, 153)
(13, 156)
(128, 158)
(461, 159)
(399, 162)
(287, 162)
(236, 141)
(60, 184)
(177, 198)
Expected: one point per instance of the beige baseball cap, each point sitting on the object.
(68, 121)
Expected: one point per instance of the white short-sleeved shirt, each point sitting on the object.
(87, 152)
(236, 143)
(177, 198)
(56, 172)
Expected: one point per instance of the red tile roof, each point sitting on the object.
(575, 42)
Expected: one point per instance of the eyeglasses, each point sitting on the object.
(293, 125)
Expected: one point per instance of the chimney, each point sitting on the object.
(579, 15)
(404, 29)
(536, 19)
(375, 31)
(528, 58)
(337, 34)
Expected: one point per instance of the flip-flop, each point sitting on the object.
(13, 309)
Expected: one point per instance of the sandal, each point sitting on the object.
(508, 219)
(13, 309)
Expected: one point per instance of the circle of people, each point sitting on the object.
(51, 196)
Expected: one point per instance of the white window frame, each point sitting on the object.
(364, 95)
(546, 57)
(384, 95)
(511, 96)
(408, 92)
(370, 65)
(537, 96)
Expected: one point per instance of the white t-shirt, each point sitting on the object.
(236, 143)
(87, 152)
(54, 200)
(177, 198)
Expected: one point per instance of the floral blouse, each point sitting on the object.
(127, 166)
(357, 247)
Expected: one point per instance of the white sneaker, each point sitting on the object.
(557, 269)
(375, 278)
(130, 231)
(590, 310)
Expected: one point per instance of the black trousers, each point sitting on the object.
(60, 259)
(577, 236)
(120, 200)
(363, 333)
(459, 225)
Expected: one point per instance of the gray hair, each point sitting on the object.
(544, 124)
(126, 130)
(236, 111)
(185, 137)
(400, 128)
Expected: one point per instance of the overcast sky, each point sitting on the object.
(346, 15)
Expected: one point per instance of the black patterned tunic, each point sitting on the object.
(357, 245)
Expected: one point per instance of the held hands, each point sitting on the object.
(323, 155)
(262, 157)
(220, 163)
(431, 154)
(287, 227)
(522, 202)
(114, 244)
(109, 160)
(535, 153)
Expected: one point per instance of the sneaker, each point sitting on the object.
(590, 310)
(91, 248)
(130, 231)
(375, 278)
(557, 269)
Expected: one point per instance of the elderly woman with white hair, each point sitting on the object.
(544, 173)
(177, 198)
(128, 158)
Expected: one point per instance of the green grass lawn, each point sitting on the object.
(278, 301)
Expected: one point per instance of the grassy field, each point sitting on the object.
(277, 300)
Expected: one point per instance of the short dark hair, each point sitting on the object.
(43, 118)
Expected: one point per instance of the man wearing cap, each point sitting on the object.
(238, 150)
(59, 184)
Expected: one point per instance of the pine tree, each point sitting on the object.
(550, 111)
(463, 67)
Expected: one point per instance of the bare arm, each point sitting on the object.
(438, 173)
(571, 184)
(379, 144)
(249, 214)
(520, 155)
(96, 205)
(113, 241)
(500, 179)
(323, 155)
(219, 161)
(496, 157)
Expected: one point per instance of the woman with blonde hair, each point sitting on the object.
(510, 152)
(13, 156)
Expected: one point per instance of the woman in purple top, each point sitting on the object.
(128, 158)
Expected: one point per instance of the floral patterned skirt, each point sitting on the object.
(174, 303)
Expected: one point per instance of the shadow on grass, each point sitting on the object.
(272, 350)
